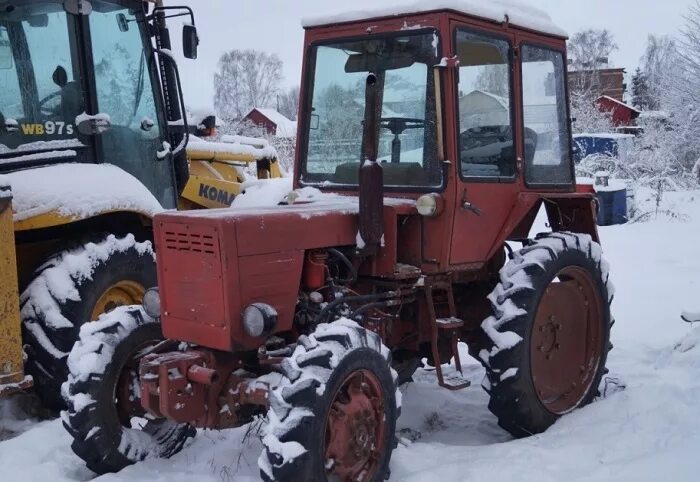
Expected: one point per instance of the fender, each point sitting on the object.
(575, 212)
(52, 196)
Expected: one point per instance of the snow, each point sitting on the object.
(40, 156)
(517, 12)
(234, 146)
(101, 119)
(44, 146)
(78, 191)
(605, 135)
(646, 432)
(58, 279)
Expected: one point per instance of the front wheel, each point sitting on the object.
(548, 338)
(334, 415)
(109, 427)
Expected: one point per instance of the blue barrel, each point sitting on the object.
(612, 206)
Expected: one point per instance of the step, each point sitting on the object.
(455, 381)
(451, 323)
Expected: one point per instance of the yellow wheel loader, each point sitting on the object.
(94, 140)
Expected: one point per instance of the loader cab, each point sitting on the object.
(80, 83)
(473, 111)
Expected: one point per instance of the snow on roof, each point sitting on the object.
(79, 191)
(502, 101)
(516, 12)
(285, 127)
(611, 99)
(605, 135)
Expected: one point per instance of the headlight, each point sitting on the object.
(151, 302)
(259, 319)
(429, 205)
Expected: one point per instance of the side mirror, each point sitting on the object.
(190, 41)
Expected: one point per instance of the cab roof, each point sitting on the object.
(498, 11)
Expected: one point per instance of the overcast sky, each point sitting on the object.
(275, 26)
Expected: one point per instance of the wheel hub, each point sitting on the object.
(123, 293)
(566, 346)
(355, 429)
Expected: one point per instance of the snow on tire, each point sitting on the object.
(339, 374)
(110, 430)
(63, 296)
(549, 335)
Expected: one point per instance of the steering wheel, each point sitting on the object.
(398, 125)
(42, 103)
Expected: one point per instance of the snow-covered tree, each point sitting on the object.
(589, 51)
(246, 79)
(288, 103)
(658, 62)
(588, 117)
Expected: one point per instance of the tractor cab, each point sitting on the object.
(471, 109)
(93, 81)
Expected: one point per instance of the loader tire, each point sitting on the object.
(110, 430)
(339, 373)
(549, 335)
(73, 288)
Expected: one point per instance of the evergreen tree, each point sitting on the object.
(641, 94)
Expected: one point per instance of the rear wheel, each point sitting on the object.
(73, 288)
(110, 429)
(334, 415)
(549, 336)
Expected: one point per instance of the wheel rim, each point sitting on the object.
(565, 348)
(355, 426)
(123, 293)
(127, 390)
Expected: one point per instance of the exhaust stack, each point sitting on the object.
(371, 175)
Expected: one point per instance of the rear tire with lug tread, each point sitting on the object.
(549, 335)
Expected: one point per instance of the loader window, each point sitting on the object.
(41, 91)
(485, 116)
(125, 92)
(407, 134)
(547, 133)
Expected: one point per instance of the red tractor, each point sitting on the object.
(428, 143)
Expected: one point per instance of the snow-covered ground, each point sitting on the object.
(648, 431)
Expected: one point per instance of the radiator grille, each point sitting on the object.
(196, 239)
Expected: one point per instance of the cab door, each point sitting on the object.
(487, 148)
(124, 89)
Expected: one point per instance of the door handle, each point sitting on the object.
(467, 206)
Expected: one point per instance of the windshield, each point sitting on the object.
(41, 90)
(403, 64)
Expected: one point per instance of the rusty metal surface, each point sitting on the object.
(563, 367)
(11, 363)
(355, 428)
(199, 388)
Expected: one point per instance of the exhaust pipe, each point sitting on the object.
(371, 175)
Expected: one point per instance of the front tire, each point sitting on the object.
(73, 288)
(334, 415)
(103, 395)
(547, 342)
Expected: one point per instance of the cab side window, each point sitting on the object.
(547, 132)
(485, 121)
